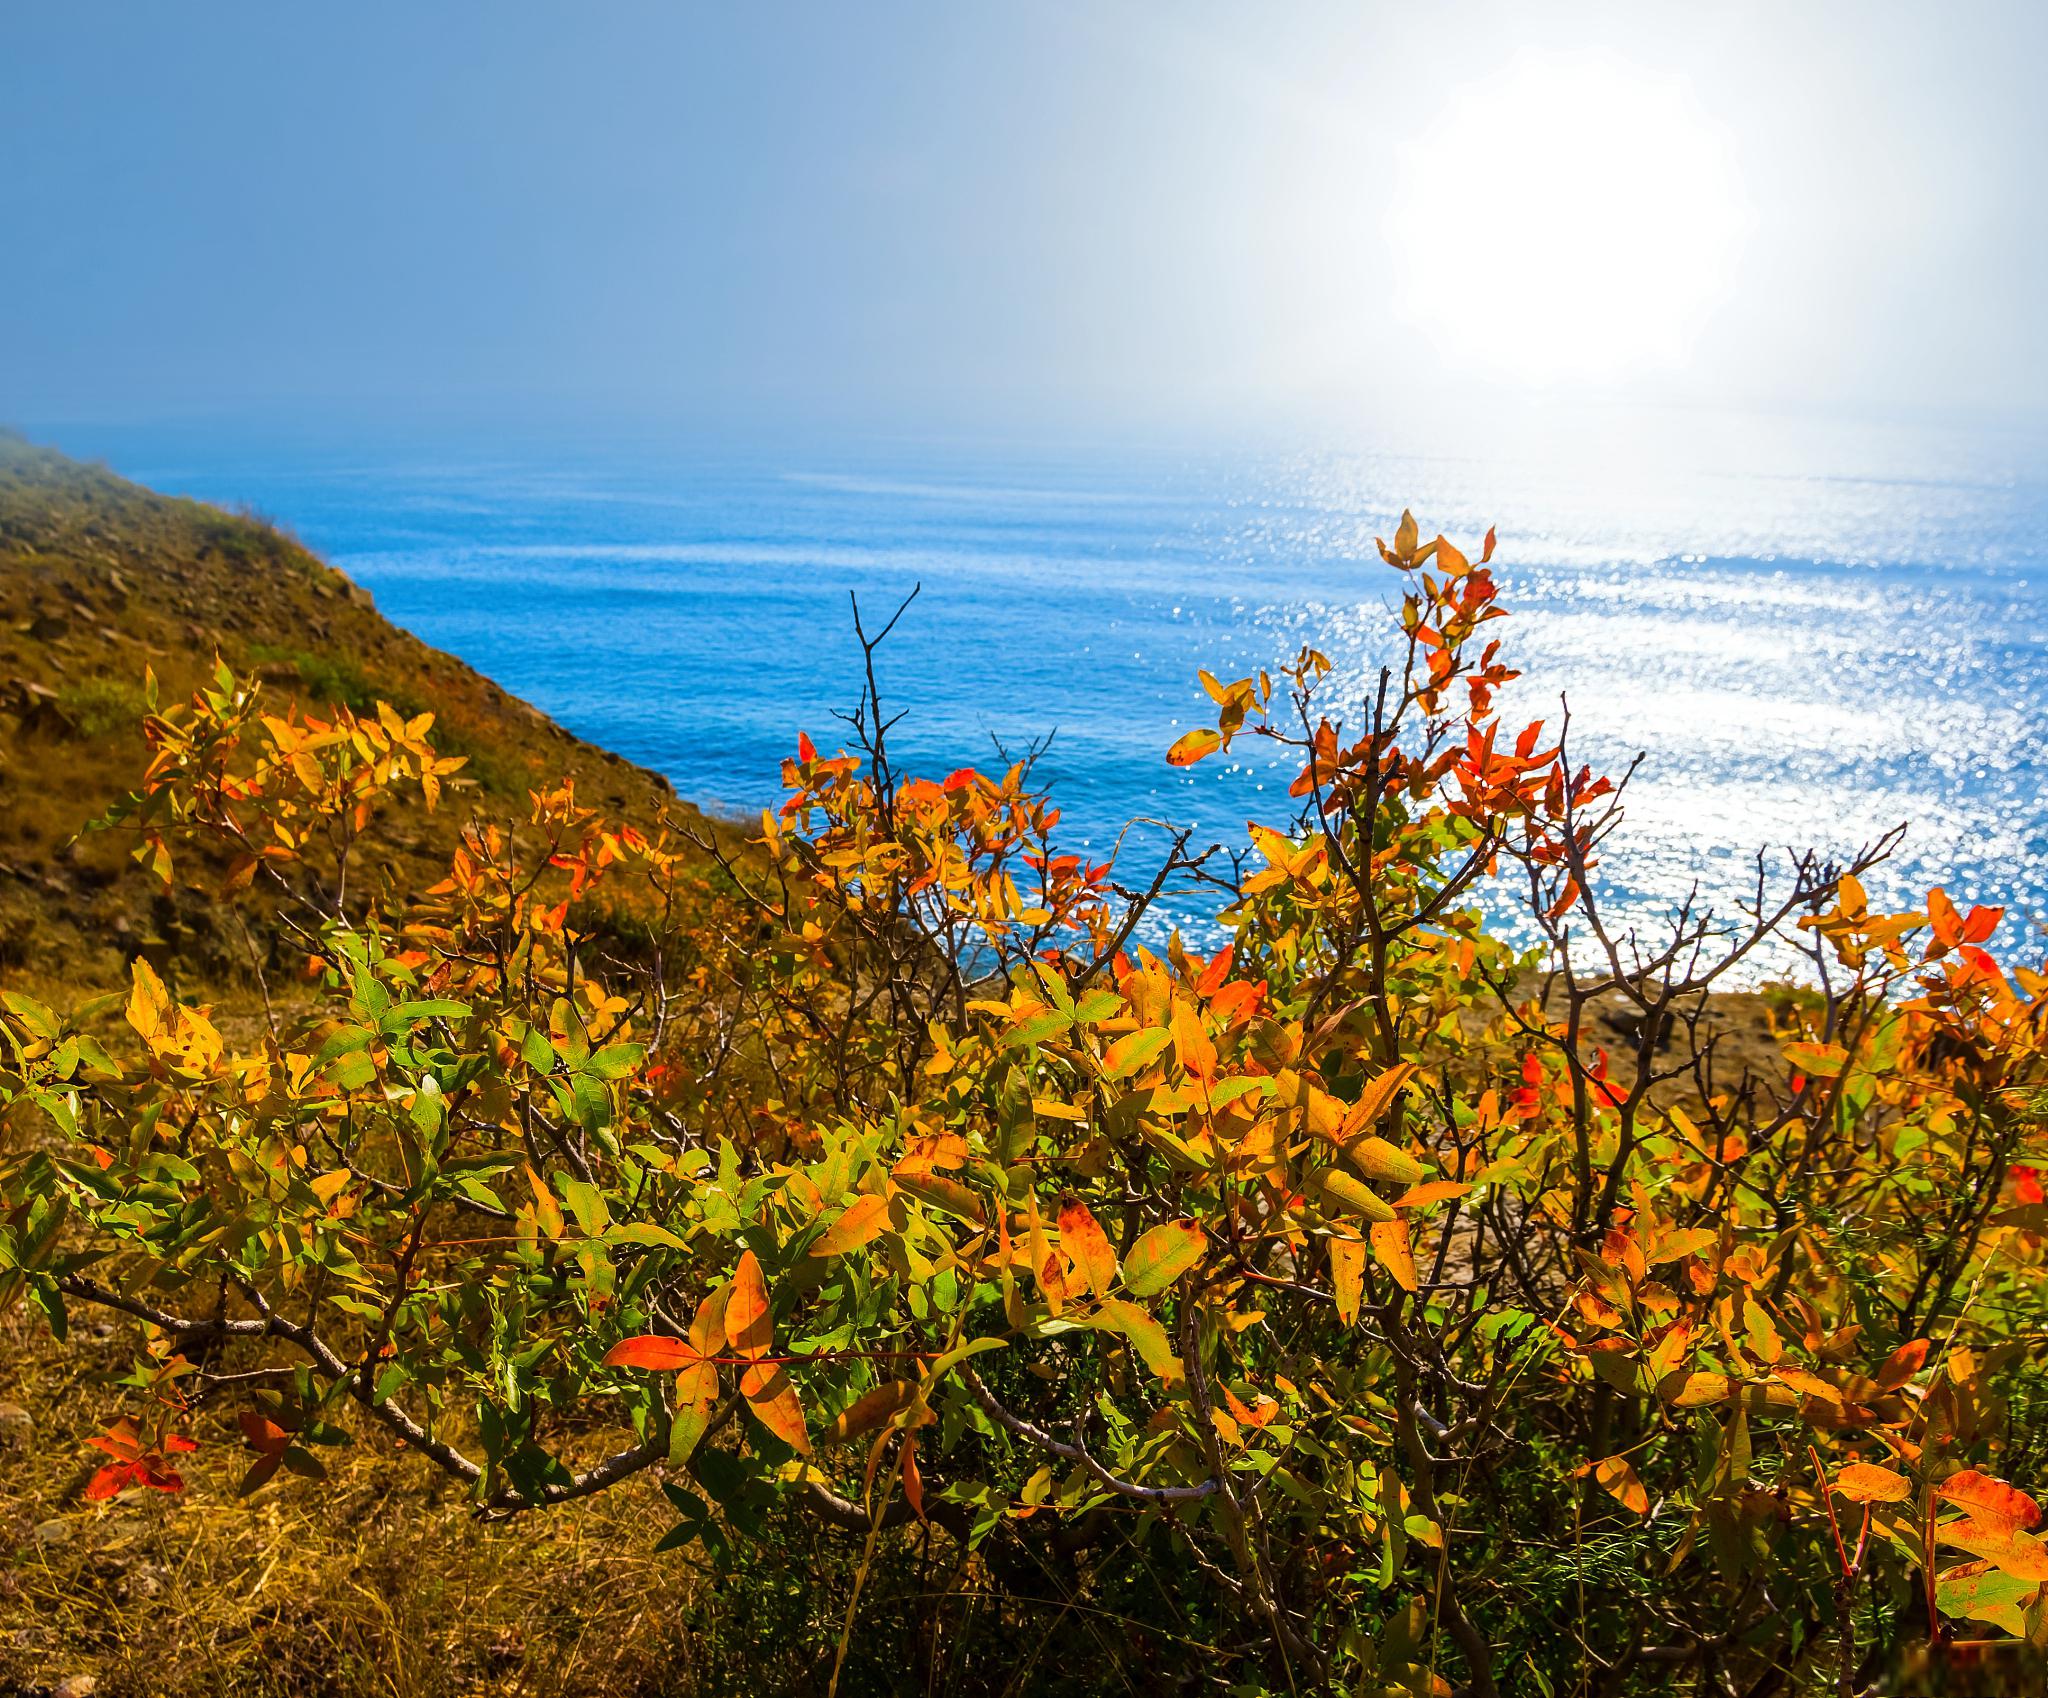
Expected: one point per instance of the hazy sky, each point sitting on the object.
(1029, 215)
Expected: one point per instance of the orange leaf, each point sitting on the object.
(651, 1350)
(1214, 974)
(940, 1190)
(1086, 1245)
(1902, 1364)
(1196, 745)
(747, 1327)
(1694, 1390)
(1808, 1385)
(913, 1481)
(262, 1433)
(1618, 1479)
(1870, 1482)
(2018, 1554)
(1433, 1191)
(772, 1397)
(1374, 1100)
(1390, 1245)
(1191, 1044)
(858, 1224)
(1990, 1501)
(870, 1410)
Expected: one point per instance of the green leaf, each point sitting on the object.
(1041, 1027)
(353, 1072)
(434, 1008)
(536, 1051)
(1134, 1050)
(960, 1352)
(615, 1061)
(1973, 1595)
(346, 1040)
(645, 1233)
(586, 1203)
(1147, 1336)
(1161, 1256)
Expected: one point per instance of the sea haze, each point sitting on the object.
(1811, 632)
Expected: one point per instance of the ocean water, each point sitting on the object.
(1810, 631)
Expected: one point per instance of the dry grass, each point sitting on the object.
(376, 1581)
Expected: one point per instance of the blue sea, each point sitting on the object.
(1810, 630)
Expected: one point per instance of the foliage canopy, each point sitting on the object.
(1339, 1272)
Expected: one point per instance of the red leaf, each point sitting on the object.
(1215, 973)
(110, 1480)
(650, 1350)
(1982, 922)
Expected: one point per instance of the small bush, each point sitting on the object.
(101, 707)
(1327, 1310)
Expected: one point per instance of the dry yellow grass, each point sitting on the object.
(376, 1581)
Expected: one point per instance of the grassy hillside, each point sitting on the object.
(101, 579)
(380, 1582)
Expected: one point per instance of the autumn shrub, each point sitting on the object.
(1357, 1302)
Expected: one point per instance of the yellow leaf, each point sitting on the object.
(1161, 1256)
(1694, 1391)
(1347, 1276)
(1196, 745)
(1406, 534)
(695, 1394)
(1378, 1159)
(147, 1000)
(1390, 1245)
(1338, 1190)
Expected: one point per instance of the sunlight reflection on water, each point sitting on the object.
(1809, 637)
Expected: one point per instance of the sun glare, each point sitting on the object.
(1568, 218)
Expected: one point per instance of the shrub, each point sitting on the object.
(1337, 1280)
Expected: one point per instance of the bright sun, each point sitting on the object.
(1570, 217)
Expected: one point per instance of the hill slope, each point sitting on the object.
(100, 579)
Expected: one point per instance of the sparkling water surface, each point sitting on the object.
(1811, 632)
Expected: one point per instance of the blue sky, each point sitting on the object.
(1044, 217)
